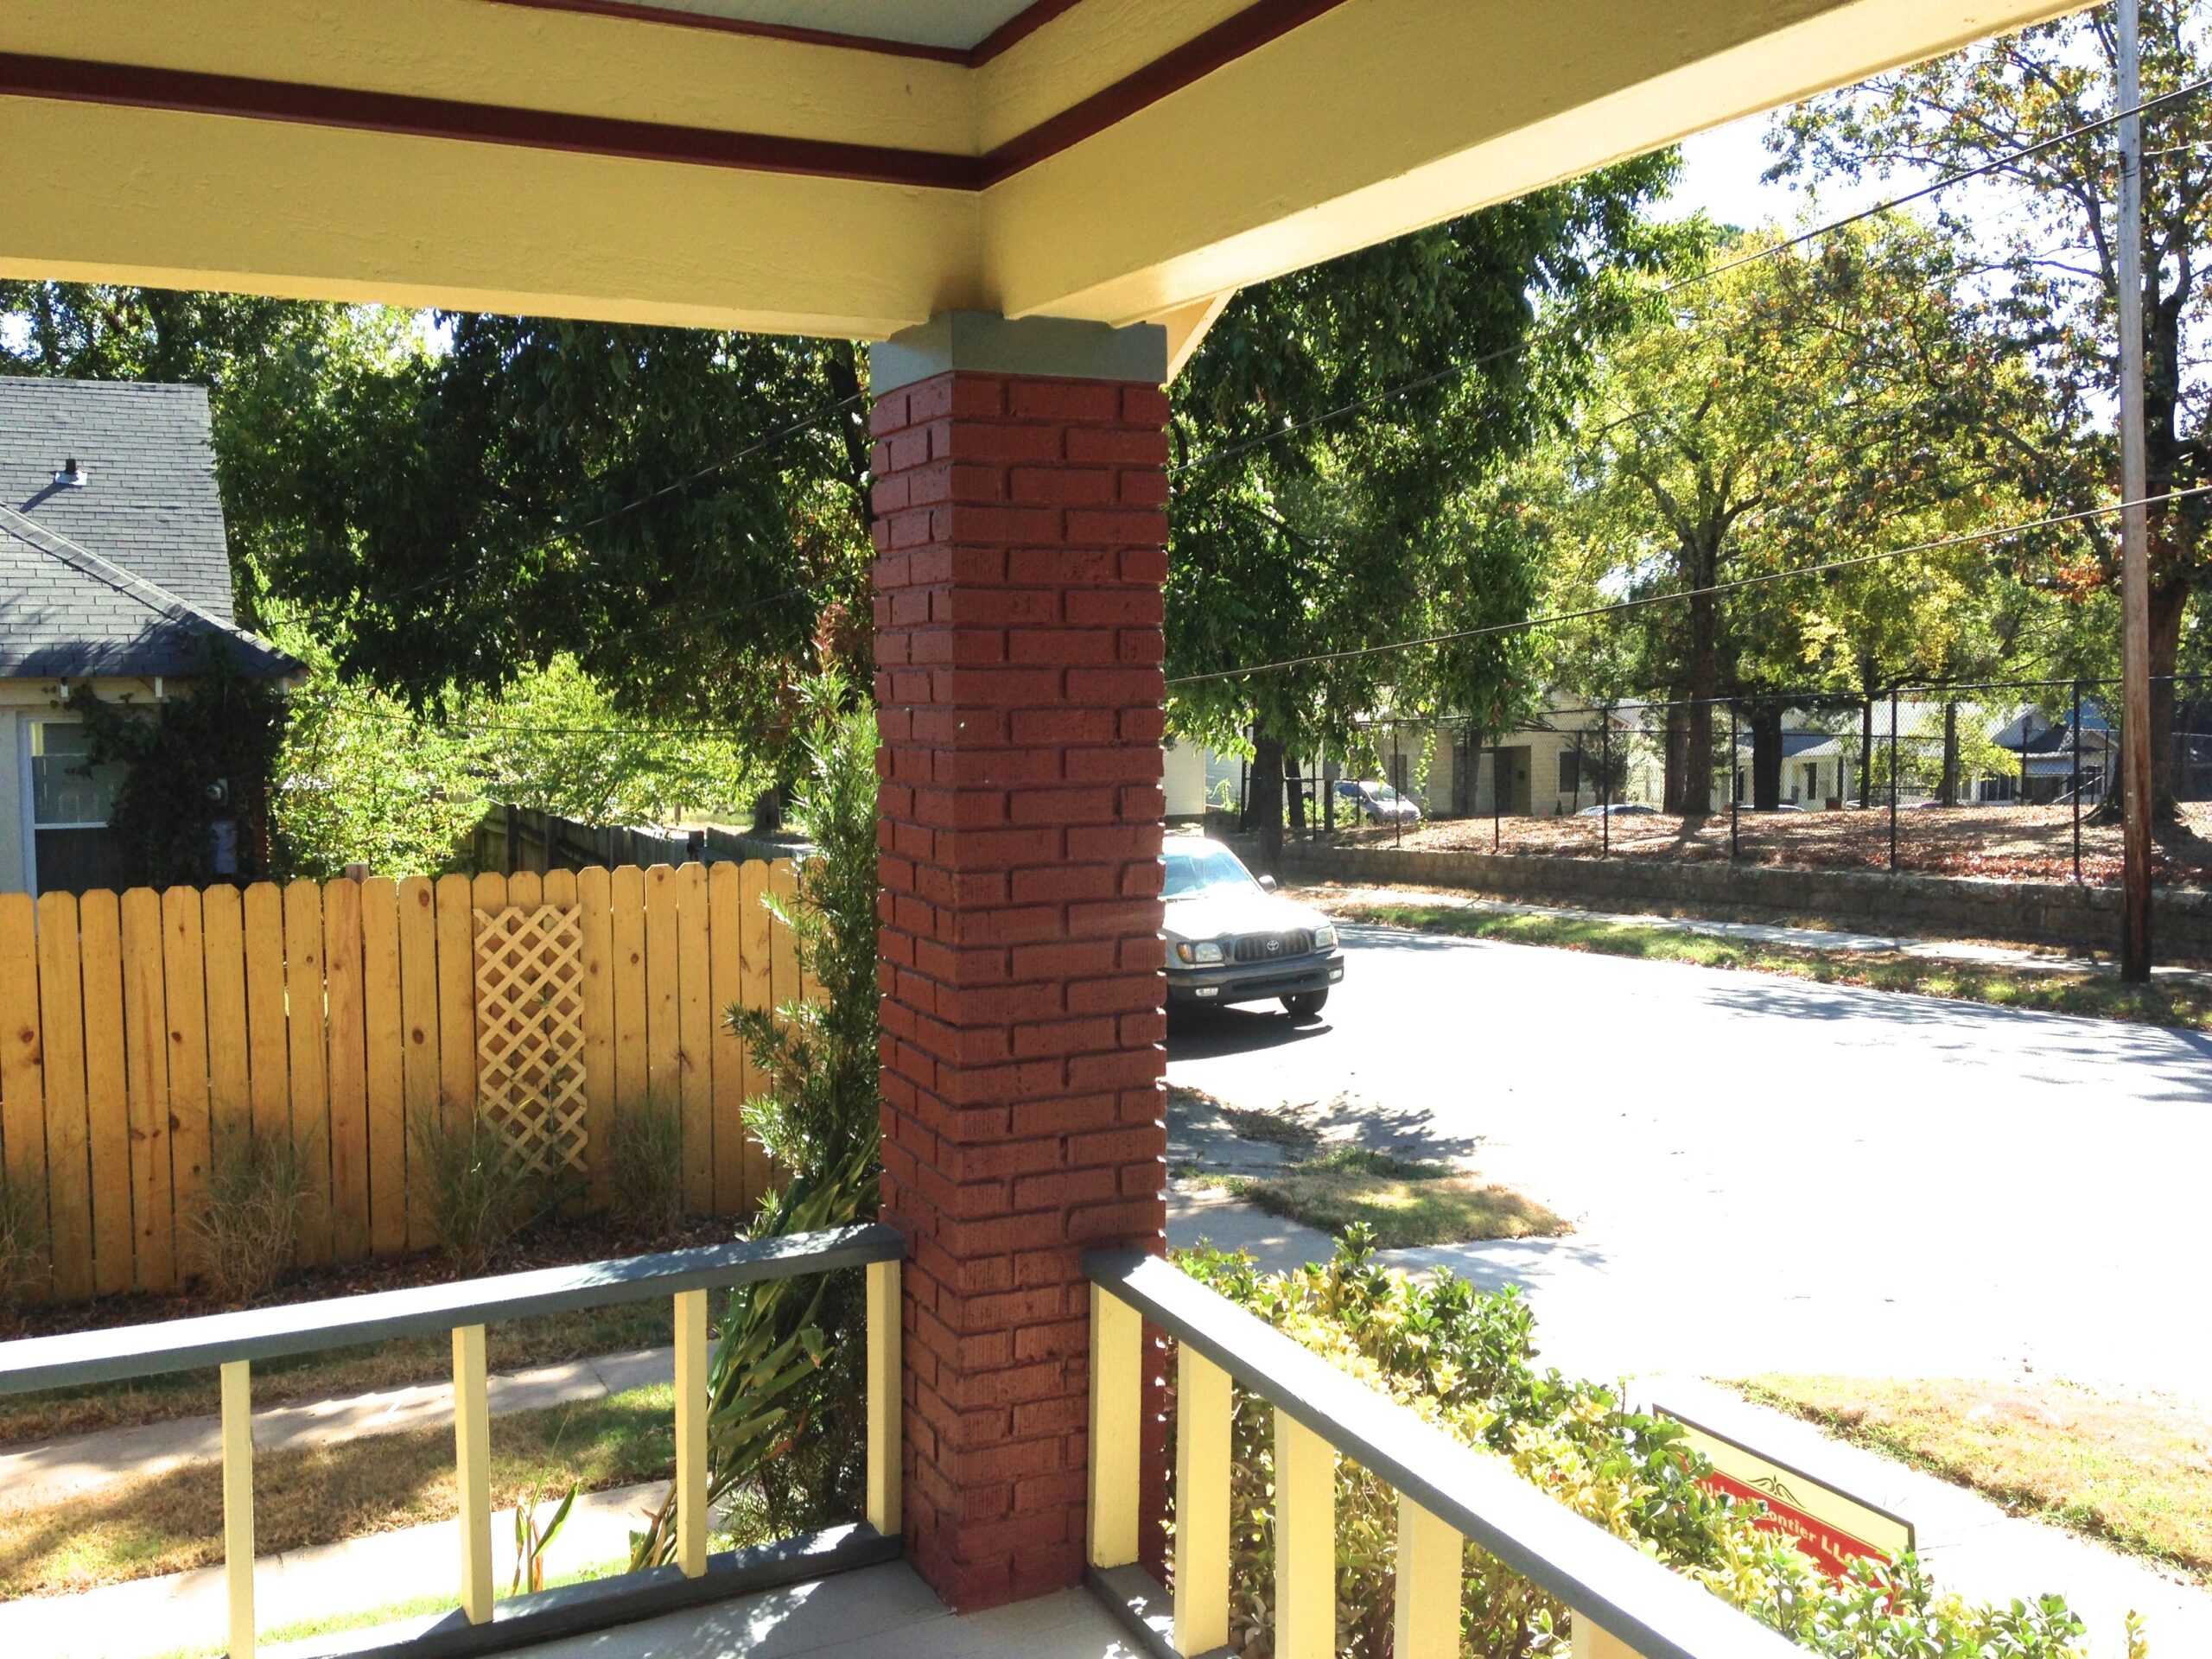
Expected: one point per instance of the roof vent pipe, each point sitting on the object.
(72, 476)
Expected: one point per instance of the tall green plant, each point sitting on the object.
(784, 1385)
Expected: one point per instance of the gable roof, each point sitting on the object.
(129, 574)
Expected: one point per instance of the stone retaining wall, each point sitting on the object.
(2057, 913)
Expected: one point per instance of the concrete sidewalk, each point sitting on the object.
(34, 1475)
(1799, 939)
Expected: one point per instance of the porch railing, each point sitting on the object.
(231, 1342)
(1625, 1605)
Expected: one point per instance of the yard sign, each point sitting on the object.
(1825, 1522)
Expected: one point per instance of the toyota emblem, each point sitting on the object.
(1274, 947)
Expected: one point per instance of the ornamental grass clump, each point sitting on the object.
(1462, 1359)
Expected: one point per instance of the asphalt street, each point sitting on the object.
(1768, 1174)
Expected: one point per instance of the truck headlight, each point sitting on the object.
(1325, 938)
(1202, 954)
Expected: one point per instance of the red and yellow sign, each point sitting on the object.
(1829, 1525)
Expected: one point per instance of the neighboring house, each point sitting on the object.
(114, 572)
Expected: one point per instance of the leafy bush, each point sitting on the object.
(784, 1441)
(22, 1246)
(1461, 1358)
(248, 1231)
(645, 1166)
(477, 1193)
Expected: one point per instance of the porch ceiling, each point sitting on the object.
(849, 166)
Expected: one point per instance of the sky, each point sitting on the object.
(1720, 173)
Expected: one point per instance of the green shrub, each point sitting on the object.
(1462, 1359)
(645, 1166)
(477, 1194)
(248, 1230)
(22, 1246)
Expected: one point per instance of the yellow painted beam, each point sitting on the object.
(691, 1431)
(1432, 1565)
(1306, 1543)
(1187, 326)
(1383, 116)
(471, 1439)
(885, 1399)
(238, 1504)
(93, 193)
(1204, 1408)
(1117, 1422)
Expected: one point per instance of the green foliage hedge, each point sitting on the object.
(1463, 1359)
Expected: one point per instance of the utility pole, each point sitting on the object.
(2134, 526)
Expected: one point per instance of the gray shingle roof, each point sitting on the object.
(130, 573)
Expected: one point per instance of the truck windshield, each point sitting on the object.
(1194, 870)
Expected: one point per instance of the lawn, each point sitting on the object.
(2162, 1002)
(1408, 1202)
(2137, 1473)
(318, 1495)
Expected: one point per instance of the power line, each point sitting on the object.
(1553, 618)
(1503, 353)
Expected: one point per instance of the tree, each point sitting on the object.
(1982, 108)
(636, 499)
(1795, 407)
(1447, 352)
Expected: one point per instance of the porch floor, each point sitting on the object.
(879, 1612)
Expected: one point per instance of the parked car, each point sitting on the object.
(1619, 810)
(1231, 938)
(1376, 803)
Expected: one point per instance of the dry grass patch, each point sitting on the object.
(1405, 1202)
(2135, 1472)
(318, 1495)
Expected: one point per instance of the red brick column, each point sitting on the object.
(1020, 534)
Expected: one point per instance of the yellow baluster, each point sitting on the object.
(1202, 1408)
(885, 1399)
(1116, 1420)
(1306, 1543)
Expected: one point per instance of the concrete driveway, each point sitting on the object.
(1768, 1174)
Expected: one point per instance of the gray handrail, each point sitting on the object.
(213, 1339)
(1629, 1596)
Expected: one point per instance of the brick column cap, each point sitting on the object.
(983, 342)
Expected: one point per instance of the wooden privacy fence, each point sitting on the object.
(135, 1029)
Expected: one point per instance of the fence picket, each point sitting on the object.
(594, 911)
(662, 969)
(628, 908)
(107, 1105)
(755, 990)
(61, 1053)
(421, 1075)
(184, 974)
(726, 1054)
(347, 1071)
(146, 1067)
(23, 1087)
(456, 997)
(307, 1016)
(380, 1018)
(222, 932)
(695, 1037)
(268, 1043)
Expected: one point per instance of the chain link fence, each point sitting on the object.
(2017, 779)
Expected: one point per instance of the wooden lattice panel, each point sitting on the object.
(530, 1043)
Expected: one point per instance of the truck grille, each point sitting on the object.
(1274, 947)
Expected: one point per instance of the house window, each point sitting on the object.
(1570, 772)
(71, 804)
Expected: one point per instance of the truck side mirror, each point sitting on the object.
(1266, 884)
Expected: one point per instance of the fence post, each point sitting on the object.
(1605, 782)
(1397, 773)
(2073, 783)
(1735, 794)
(1896, 783)
(1496, 794)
